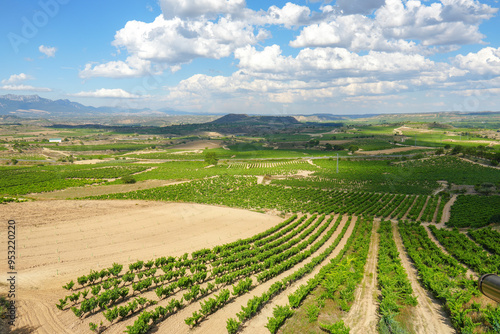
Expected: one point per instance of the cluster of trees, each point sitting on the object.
(480, 151)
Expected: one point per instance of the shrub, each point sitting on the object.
(128, 179)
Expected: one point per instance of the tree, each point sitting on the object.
(312, 143)
(211, 158)
(337, 147)
(457, 149)
(353, 148)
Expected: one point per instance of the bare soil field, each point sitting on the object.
(97, 190)
(393, 150)
(483, 142)
(197, 145)
(91, 161)
(57, 241)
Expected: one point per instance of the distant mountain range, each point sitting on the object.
(28, 108)
(34, 106)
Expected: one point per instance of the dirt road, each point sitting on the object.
(428, 316)
(363, 315)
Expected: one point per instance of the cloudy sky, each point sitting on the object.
(266, 57)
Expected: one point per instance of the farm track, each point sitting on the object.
(428, 316)
(480, 164)
(257, 323)
(363, 316)
(446, 211)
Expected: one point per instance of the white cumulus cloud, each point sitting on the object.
(328, 63)
(17, 78)
(132, 67)
(449, 22)
(49, 51)
(195, 8)
(397, 25)
(485, 62)
(163, 44)
(26, 88)
(108, 93)
(290, 15)
(178, 42)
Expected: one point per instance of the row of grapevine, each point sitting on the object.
(380, 205)
(416, 209)
(395, 288)
(430, 209)
(445, 278)
(106, 293)
(488, 238)
(392, 206)
(197, 315)
(466, 251)
(244, 192)
(210, 304)
(404, 207)
(257, 302)
(36, 179)
(338, 278)
(246, 165)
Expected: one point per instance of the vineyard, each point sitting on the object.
(267, 238)
(244, 192)
(326, 254)
(22, 180)
(224, 272)
(475, 211)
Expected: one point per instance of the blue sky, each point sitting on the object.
(266, 57)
